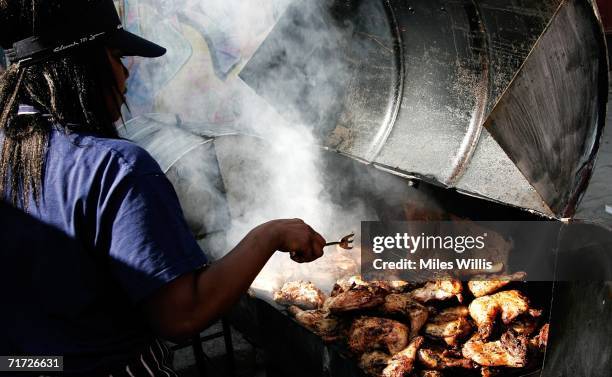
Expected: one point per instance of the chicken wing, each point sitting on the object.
(484, 310)
(438, 290)
(492, 284)
(374, 362)
(316, 321)
(402, 304)
(303, 294)
(451, 324)
(373, 333)
(402, 363)
(509, 351)
(358, 297)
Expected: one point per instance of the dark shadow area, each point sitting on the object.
(60, 299)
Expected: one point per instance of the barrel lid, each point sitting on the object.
(507, 104)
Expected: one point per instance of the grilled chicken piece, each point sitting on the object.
(344, 285)
(391, 286)
(374, 362)
(316, 321)
(450, 324)
(509, 351)
(402, 363)
(438, 290)
(395, 286)
(540, 341)
(303, 294)
(373, 333)
(438, 359)
(430, 373)
(358, 297)
(492, 284)
(402, 304)
(524, 325)
(484, 310)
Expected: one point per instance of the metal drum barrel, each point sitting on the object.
(503, 100)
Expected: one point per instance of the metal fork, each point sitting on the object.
(345, 242)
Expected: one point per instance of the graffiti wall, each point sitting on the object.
(208, 43)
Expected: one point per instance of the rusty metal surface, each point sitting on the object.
(457, 59)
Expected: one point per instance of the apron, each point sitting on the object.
(155, 361)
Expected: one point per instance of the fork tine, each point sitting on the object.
(348, 240)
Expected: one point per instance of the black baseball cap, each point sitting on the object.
(66, 25)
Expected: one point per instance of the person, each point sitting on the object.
(97, 262)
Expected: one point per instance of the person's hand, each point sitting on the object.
(296, 238)
(191, 302)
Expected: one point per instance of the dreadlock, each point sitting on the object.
(69, 92)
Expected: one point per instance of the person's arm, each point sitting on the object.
(186, 305)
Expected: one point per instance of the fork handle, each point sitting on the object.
(332, 243)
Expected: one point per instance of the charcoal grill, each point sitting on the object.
(458, 108)
(292, 350)
(573, 350)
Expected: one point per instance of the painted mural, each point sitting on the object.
(208, 43)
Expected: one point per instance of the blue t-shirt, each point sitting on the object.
(108, 232)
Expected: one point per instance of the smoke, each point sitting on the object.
(288, 94)
(288, 177)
